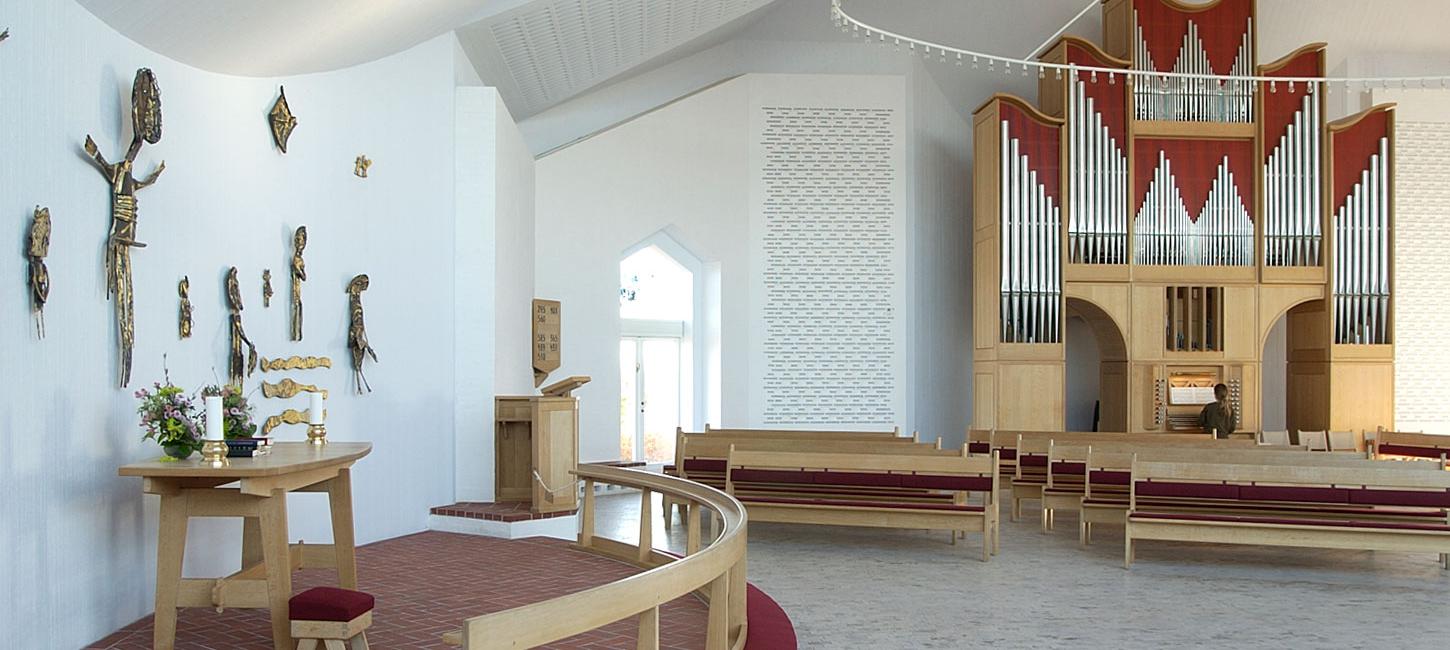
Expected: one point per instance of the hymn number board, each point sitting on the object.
(546, 338)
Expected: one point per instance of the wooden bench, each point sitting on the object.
(1338, 507)
(957, 476)
(1030, 478)
(1106, 470)
(1404, 445)
(701, 458)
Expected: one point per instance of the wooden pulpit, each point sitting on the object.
(536, 447)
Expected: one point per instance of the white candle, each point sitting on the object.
(315, 408)
(214, 417)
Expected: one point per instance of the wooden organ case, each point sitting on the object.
(1181, 219)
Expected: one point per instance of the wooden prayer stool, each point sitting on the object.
(329, 616)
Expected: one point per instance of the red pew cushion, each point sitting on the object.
(948, 482)
(895, 505)
(1293, 493)
(1068, 467)
(329, 604)
(771, 476)
(979, 448)
(1339, 523)
(1370, 496)
(864, 479)
(1407, 450)
(798, 489)
(1187, 490)
(1110, 477)
(704, 465)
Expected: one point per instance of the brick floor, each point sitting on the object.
(509, 511)
(427, 583)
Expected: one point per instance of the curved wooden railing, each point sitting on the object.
(715, 567)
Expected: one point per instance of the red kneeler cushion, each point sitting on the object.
(329, 604)
(767, 625)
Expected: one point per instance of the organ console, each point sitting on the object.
(1182, 218)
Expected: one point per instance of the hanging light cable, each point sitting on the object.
(839, 14)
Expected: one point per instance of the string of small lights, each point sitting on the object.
(947, 54)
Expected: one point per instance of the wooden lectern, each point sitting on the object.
(536, 447)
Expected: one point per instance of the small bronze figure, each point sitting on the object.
(239, 368)
(145, 127)
(357, 334)
(183, 289)
(361, 165)
(36, 250)
(266, 288)
(282, 120)
(299, 274)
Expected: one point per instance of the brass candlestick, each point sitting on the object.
(214, 454)
(317, 434)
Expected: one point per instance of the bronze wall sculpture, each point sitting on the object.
(295, 363)
(289, 416)
(357, 334)
(238, 367)
(183, 289)
(266, 288)
(145, 127)
(361, 165)
(282, 120)
(288, 388)
(299, 275)
(37, 248)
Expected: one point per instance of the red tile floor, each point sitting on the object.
(427, 583)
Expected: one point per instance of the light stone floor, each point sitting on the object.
(879, 588)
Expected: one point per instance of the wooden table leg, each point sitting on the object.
(251, 541)
(170, 548)
(273, 524)
(339, 498)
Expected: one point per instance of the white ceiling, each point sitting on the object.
(547, 51)
(541, 53)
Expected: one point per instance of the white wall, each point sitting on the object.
(77, 547)
(683, 167)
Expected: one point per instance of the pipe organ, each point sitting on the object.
(1181, 219)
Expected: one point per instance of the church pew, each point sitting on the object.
(956, 475)
(1404, 445)
(1106, 472)
(1031, 448)
(701, 456)
(1296, 505)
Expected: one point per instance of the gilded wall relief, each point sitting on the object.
(183, 290)
(288, 388)
(37, 247)
(282, 120)
(146, 128)
(295, 363)
(239, 367)
(357, 334)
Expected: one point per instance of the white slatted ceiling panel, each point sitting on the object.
(557, 48)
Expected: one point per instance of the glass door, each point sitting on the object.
(649, 398)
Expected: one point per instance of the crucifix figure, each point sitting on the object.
(357, 333)
(239, 368)
(145, 127)
(299, 275)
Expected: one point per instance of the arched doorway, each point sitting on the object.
(659, 310)
(1296, 349)
(1096, 379)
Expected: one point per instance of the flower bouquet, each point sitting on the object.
(236, 411)
(169, 417)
